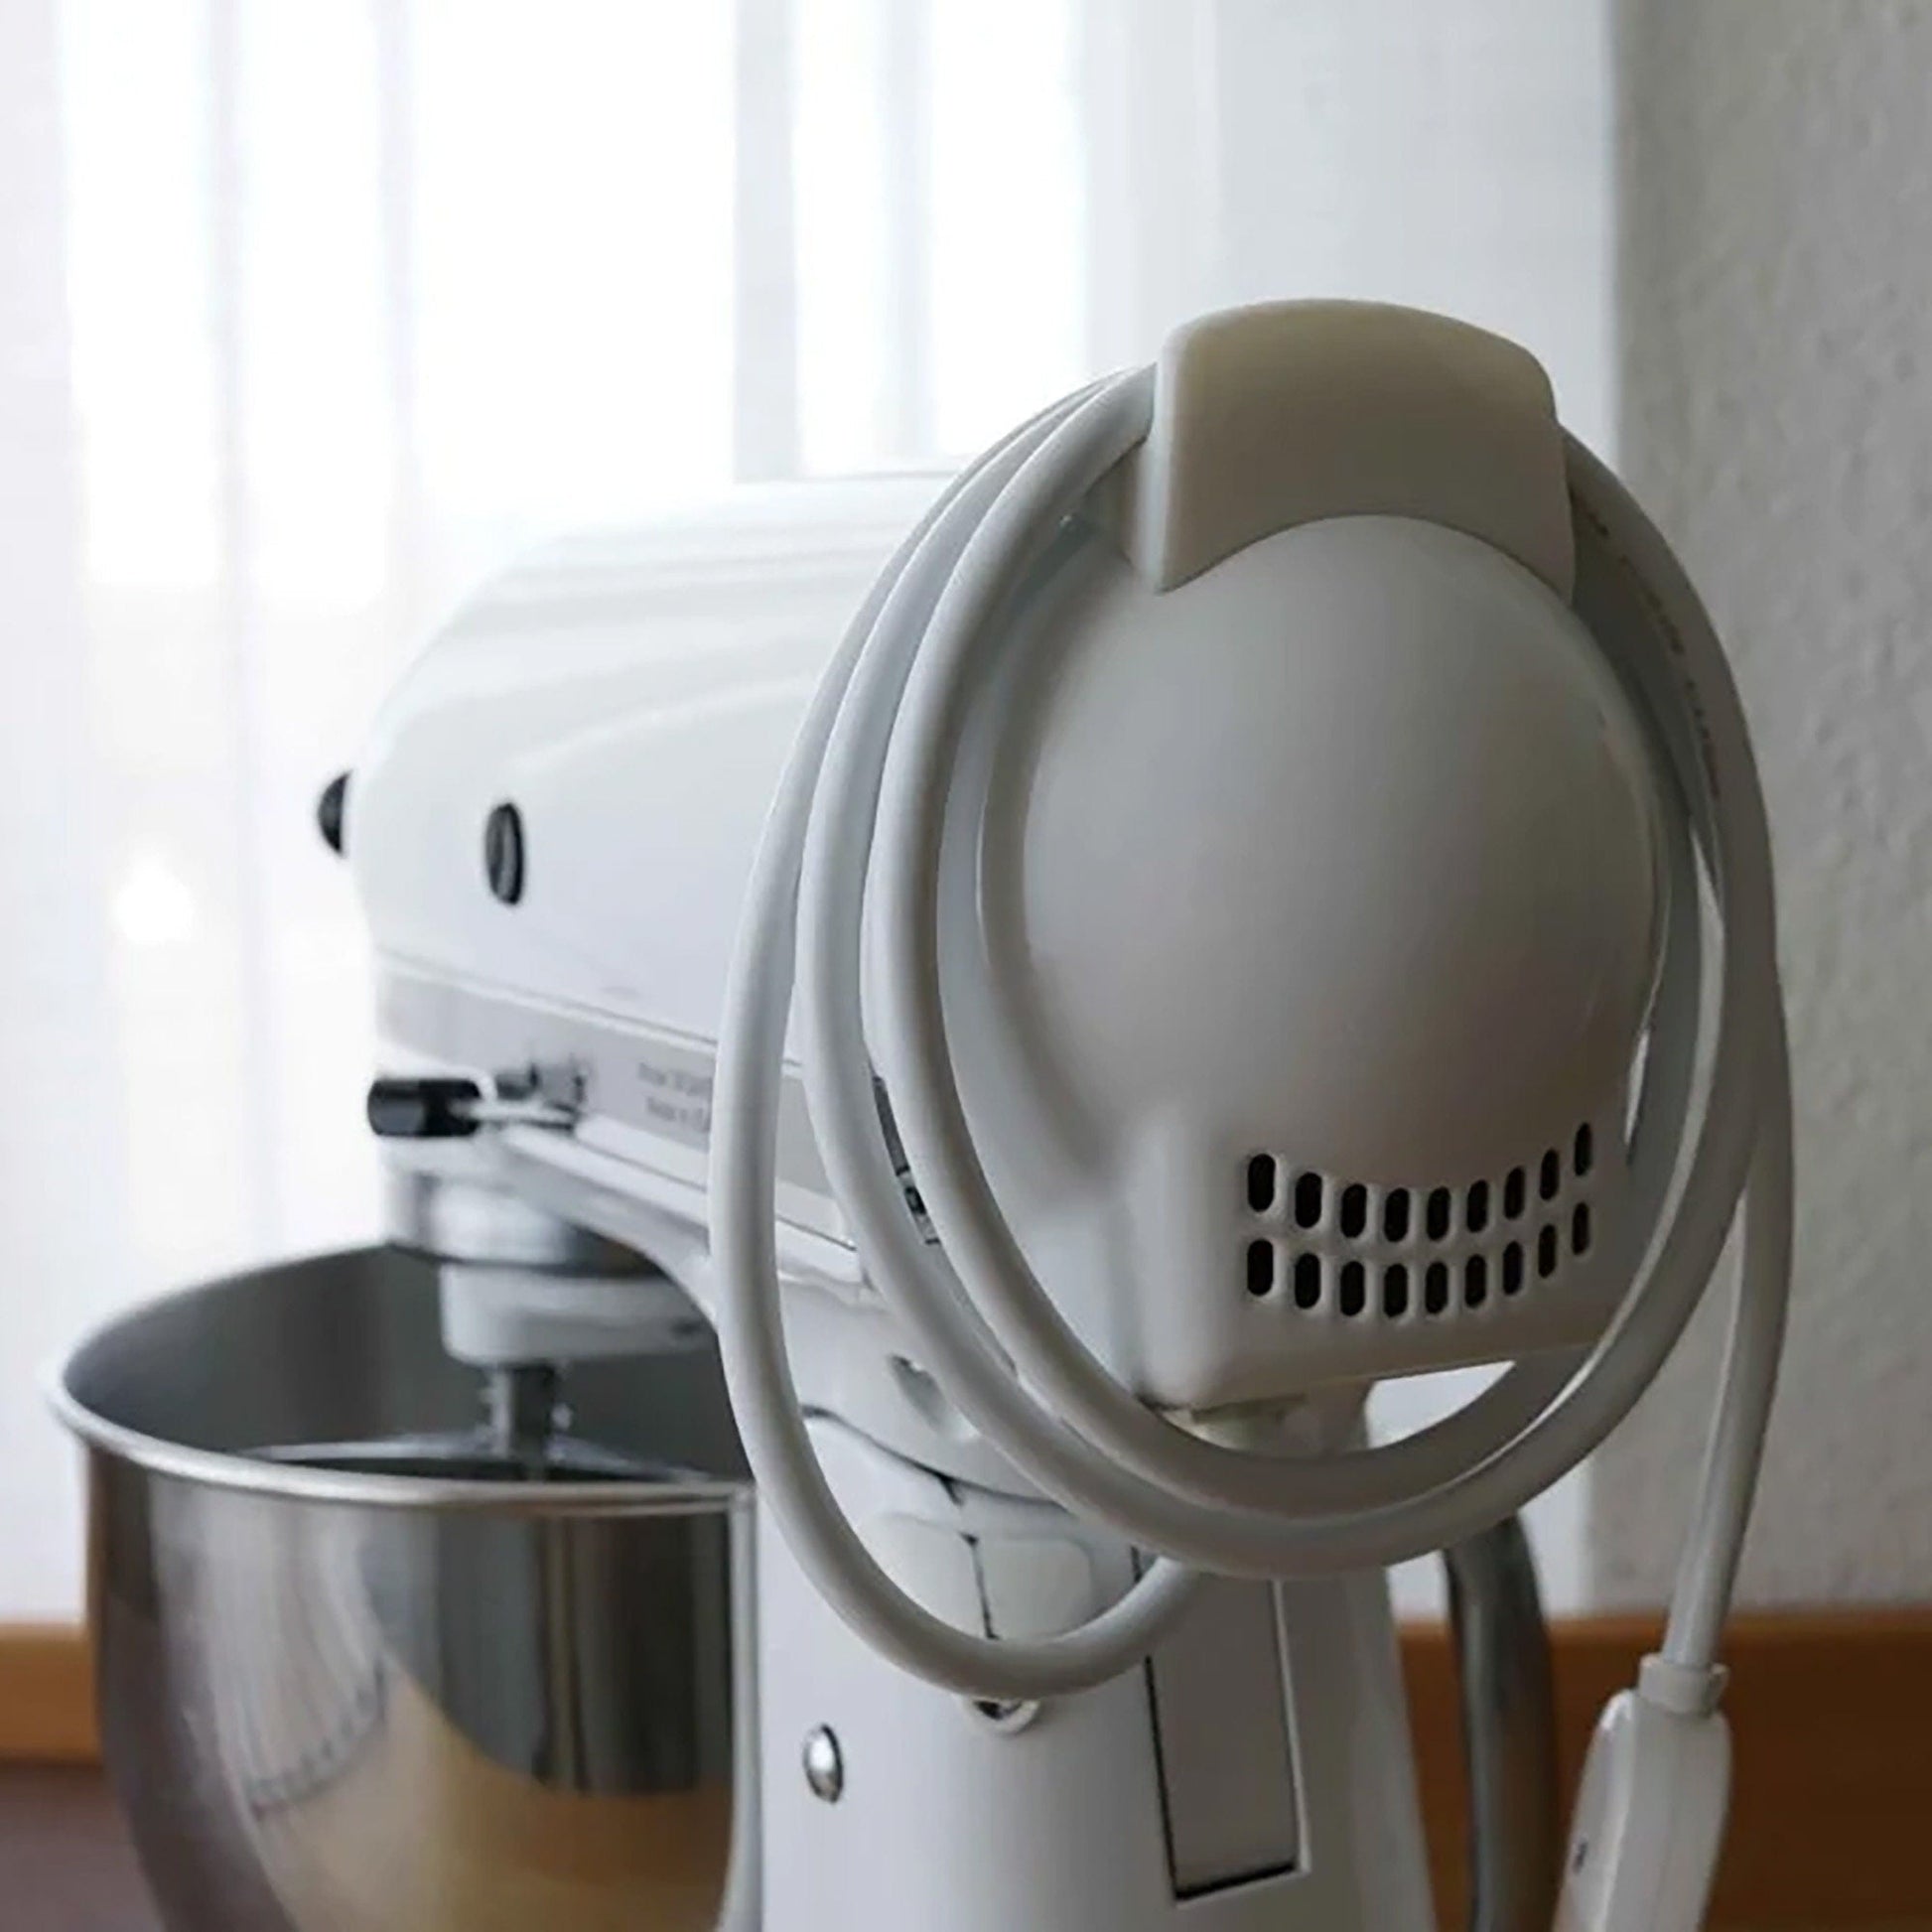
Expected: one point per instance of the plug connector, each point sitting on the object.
(1650, 1810)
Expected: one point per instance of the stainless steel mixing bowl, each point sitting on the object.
(350, 1700)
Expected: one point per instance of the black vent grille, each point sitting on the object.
(1315, 1242)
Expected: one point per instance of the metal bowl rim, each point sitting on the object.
(293, 1481)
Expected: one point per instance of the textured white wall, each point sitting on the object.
(1776, 304)
(1455, 156)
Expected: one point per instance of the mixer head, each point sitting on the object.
(1257, 837)
(1326, 895)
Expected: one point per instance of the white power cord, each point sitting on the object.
(863, 803)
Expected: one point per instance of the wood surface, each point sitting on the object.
(1831, 1711)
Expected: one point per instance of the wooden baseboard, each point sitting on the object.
(1831, 1713)
(46, 1696)
(1831, 1716)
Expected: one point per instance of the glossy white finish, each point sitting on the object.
(634, 694)
(952, 1823)
(496, 1316)
(1650, 1819)
(1120, 1083)
(1365, 409)
(1389, 915)
(868, 851)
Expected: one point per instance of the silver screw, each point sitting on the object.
(824, 1765)
(1003, 1714)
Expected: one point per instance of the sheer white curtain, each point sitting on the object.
(310, 310)
(314, 309)
(360, 296)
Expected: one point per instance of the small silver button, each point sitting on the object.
(824, 1765)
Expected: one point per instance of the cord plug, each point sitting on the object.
(1650, 1810)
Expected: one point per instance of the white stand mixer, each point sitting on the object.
(1281, 901)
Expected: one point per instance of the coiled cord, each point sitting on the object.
(865, 797)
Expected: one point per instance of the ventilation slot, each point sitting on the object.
(1395, 1214)
(1584, 1151)
(1261, 1267)
(1264, 1178)
(1475, 1282)
(1354, 1211)
(1475, 1207)
(1513, 1269)
(1434, 1288)
(1436, 1215)
(1395, 1290)
(1551, 1179)
(1546, 1253)
(1516, 1191)
(1355, 1288)
(1308, 1281)
(1579, 1229)
(1308, 1193)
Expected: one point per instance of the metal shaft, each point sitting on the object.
(522, 1407)
(1509, 1732)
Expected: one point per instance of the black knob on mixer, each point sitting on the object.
(429, 1109)
(503, 854)
(332, 811)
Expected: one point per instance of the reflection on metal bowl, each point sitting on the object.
(379, 1691)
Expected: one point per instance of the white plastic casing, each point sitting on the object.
(1324, 876)
(1321, 1044)
(1394, 769)
(634, 694)
(1272, 1053)
(1649, 1823)
(492, 1315)
(1284, 413)
(1064, 1820)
